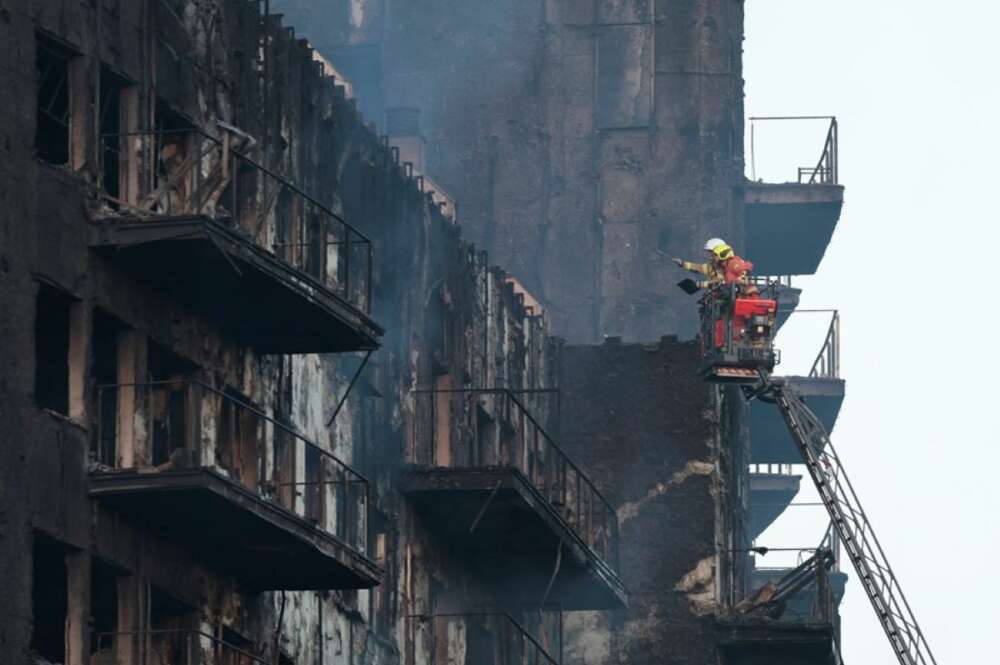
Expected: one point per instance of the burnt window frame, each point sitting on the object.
(52, 91)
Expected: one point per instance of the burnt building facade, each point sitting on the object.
(586, 142)
(264, 404)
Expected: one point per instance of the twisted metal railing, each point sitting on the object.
(493, 428)
(187, 172)
(170, 425)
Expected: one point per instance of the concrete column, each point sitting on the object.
(79, 359)
(132, 426)
(132, 603)
(78, 608)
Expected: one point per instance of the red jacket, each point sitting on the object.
(736, 269)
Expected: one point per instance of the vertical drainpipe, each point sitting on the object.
(319, 628)
(97, 94)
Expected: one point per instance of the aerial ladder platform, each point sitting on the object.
(851, 523)
(737, 340)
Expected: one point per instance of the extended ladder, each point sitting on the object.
(852, 524)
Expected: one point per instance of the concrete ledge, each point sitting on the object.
(502, 526)
(788, 226)
(252, 294)
(770, 494)
(234, 530)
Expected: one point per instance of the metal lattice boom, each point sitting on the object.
(855, 530)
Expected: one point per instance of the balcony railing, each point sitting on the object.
(499, 431)
(483, 639)
(826, 170)
(827, 364)
(171, 647)
(167, 425)
(171, 173)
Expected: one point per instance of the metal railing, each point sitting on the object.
(483, 639)
(171, 647)
(778, 469)
(797, 595)
(826, 170)
(492, 428)
(771, 280)
(169, 425)
(827, 363)
(187, 172)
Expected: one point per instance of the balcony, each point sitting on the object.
(772, 489)
(490, 482)
(789, 225)
(823, 390)
(173, 647)
(790, 616)
(241, 490)
(483, 639)
(200, 220)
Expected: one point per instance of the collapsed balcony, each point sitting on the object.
(789, 225)
(175, 647)
(202, 221)
(243, 491)
(491, 482)
(485, 639)
(790, 616)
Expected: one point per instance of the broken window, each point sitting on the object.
(104, 371)
(48, 599)
(483, 453)
(240, 434)
(315, 489)
(52, 324)
(53, 100)
(283, 450)
(169, 403)
(172, 147)
(115, 102)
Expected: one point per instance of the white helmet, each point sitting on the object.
(713, 243)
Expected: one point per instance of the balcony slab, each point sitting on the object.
(497, 521)
(235, 530)
(256, 297)
(789, 225)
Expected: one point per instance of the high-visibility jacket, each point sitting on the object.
(731, 271)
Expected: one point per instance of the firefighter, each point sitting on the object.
(723, 267)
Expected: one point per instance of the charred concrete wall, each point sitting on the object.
(588, 142)
(664, 447)
(445, 309)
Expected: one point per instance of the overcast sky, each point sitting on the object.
(914, 84)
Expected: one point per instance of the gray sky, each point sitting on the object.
(914, 86)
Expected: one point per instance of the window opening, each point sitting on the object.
(48, 599)
(52, 318)
(104, 370)
(53, 100)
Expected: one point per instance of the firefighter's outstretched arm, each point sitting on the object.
(703, 268)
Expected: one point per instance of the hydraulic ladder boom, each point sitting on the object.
(852, 524)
